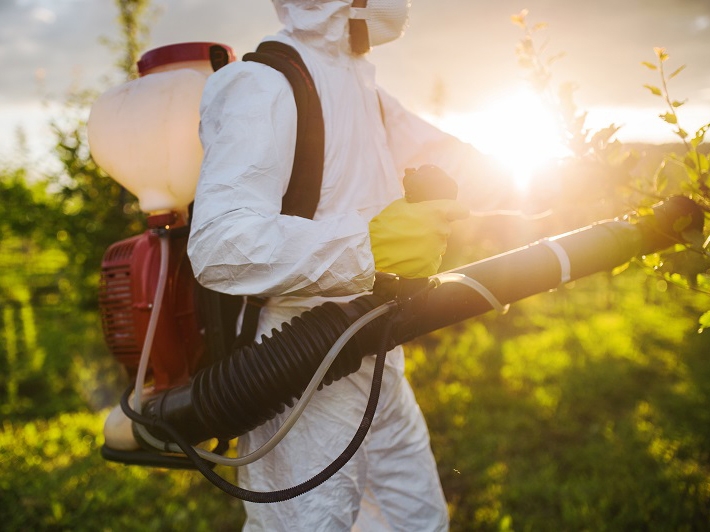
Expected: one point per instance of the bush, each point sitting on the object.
(585, 409)
(53, 478)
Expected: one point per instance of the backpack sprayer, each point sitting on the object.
(153, 324)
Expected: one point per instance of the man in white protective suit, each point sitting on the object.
(241, 244)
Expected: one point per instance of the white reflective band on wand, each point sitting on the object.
(474, 285)
(563, 259)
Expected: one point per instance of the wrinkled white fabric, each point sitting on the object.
(390, 484)
(241, 244)
(386, 19)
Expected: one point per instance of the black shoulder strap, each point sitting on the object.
(220, 311)
(303, 193)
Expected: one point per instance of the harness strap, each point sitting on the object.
(303, 192)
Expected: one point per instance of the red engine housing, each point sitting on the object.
(129, 278)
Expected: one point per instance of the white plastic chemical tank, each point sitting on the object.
(144, 133)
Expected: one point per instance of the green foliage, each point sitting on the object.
(133, 21)
(687, 172)
(54, 232)
(704, 321)
(30, 268)
(586, 409)
(52, 245)
(693, 163)
(615, 174)
(53, 478)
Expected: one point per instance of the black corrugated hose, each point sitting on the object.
(204, 467)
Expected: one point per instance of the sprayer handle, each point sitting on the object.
(428, 182)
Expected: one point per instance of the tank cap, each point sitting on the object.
(218, 55)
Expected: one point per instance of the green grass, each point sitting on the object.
(52, 477)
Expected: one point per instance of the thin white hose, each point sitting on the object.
(152, 323)
(460, 278)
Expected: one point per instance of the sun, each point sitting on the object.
(516, 129)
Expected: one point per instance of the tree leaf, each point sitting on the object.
(519, 19)
(602, 137)
(704, 321)
(660, 53)
(692, 174)
(556, 57)
(690, 160)
(677, 104)
(676, 72)
(699, 136)
(660, 178)
(654, 90)
(671, 118)
(649, 65)
(620, 269)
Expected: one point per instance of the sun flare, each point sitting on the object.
(516, 129)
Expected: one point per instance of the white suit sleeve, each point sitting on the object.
(239, 241)
(483, 185)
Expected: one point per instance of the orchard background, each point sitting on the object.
(587, 408)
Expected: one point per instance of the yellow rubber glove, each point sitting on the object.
(409, 239)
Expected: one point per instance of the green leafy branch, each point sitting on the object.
(694, 164)
(686, 265)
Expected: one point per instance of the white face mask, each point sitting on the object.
(386, 19)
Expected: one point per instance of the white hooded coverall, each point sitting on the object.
(241, 244)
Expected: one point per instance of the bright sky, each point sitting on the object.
(456, 64)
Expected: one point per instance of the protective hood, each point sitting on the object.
(322, 24)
